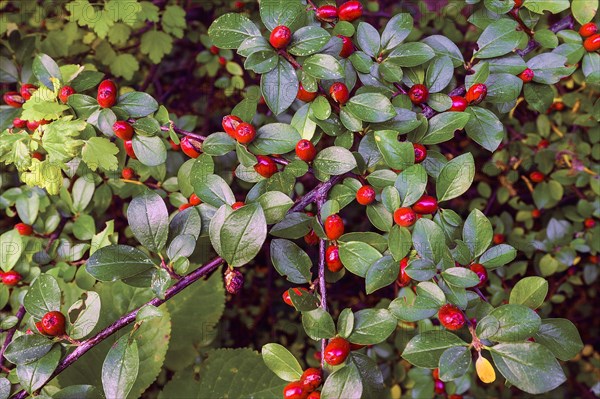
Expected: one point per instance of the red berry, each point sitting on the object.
(481, 272)
(214, 50)
(518, 3)
(339, 92)
(455, 396)
(297, 291)
(405, 217)
(557, 106)
(280, 37)
(32, 125)
(336, 351)
(123, 130)
(592, 43)
(347, 46)
(418, 94)
(194, 200)
(174, 147)
(305, 150)
(426, 205)
(222, 61)
(311, 238)
(459, 104)
(306, 96)
(451, 317)
(11, 278)
(190, 147)
(19, 123)
(537, 177)
(239, 4)
(53, 323)
(13, 99)
(350, 11)
(403, 279)
(365, 195)
(314, 395)
(435, 374)
(543, 144)
(27, 90)
(128, 144)
(311, 379)
(237, 205)
(37, 155)
(439, 387)
(589, 223)
(185, 206)
(107, 94)
(476, 93)
(24, 229)
(588, 29)
(594, 259)
(40, 327)
(230, 123)
(294, 390)
(332, 259)
(127, 173)
(265, 167)
(327, 13)
(499, 239)
(245, 133)
(526, 76)
(334, 227)
(65, 93)
(536, 213)
(420, 152)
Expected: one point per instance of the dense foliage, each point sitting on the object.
(299, 198)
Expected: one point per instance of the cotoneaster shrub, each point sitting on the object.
(385, 199)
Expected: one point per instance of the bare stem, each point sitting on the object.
(322, 285)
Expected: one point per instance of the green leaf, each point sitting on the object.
(454, 363)
(117, 262)
(382, 273)
(11, 247)
(33, 376)
(156, 45)
(308, 40)
(509, 323)
(136, 104)
(529, 291)
(400, 242)
(294, 225)
(358, 256)
(323, 66)
(372, 326)
(213, 190)
(419, 308)
(274, 13)
(442, 46)
(427, 239)
(85, 312)
(43, 296)
(242, 234)
(45, 69)
(150, 151)
(334, 161)
(99, 152)
(477, 232)
(528, 366)
(280, 361)
(230, 30)
(120, 368)
(549, 68)
(345, 323)
(290, 260)
(124, 65)
(442, 127)
(148, 218)
(275, 138)
(59, 139)
(217, 144)
(238, 374)
(343, 383)
(584, 10)
(455, 177)
(439, 74)
(498, 255)
(425, 350)
(279, 87)
(411, 54)
(485, 128)
(396, 30)
(27, 348)
(460, 277)
(318, 324)
(553, 6)
(499, 38)
(371, 107)
(561, 337)
(368, 39)
(411, 184)
(397, 155)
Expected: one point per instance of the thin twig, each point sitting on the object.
(322, 286)
(9, 336)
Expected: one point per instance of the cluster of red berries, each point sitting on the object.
(306, 387)
(589, 32)
(194, 200)
(349, 11)
(407, 216)
(11, 278)
(52, 324)
(17, 99)
(214, 50)
(474, 96)
(242, 132)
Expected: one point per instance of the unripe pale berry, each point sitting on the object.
(107, 94)
(334, 227)
(365, 195)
